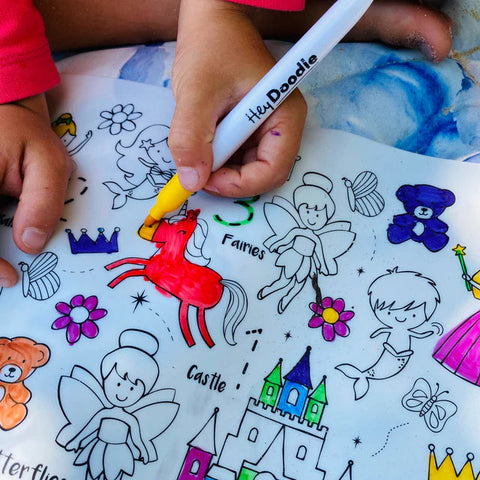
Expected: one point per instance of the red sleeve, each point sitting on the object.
(26, 65)
(290, 5)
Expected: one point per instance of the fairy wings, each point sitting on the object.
(335, 238)
(81, 396)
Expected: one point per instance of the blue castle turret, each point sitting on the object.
(297, 385)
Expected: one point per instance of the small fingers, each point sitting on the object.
(267, 164)
(191, 132)
(408, 25)
(46, 170)
(8, 275)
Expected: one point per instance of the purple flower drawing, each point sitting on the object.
(79, 317)
(332, 317)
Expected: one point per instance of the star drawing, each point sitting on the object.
(139, 299)
(146, 144)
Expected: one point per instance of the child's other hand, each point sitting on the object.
(220, 57)
(35, 168)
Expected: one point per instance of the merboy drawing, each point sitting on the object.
(109, 421)
(306, 241)
(402, 301)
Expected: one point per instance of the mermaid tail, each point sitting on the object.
(361, 383)
(389, 364)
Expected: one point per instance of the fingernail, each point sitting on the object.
(34, 238)
(211, 189)
(188, 178)
(428, 51)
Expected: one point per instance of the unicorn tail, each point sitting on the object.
(120, 197)
(236, 309)
(361, 384)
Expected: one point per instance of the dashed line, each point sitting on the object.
(164, 322)
(374, 248)
(78, 271)
(388, 437)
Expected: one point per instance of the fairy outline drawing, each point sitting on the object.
(146, 163)
(306, 240)
(110, 421)
(402, 301)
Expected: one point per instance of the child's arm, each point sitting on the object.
(34, 166)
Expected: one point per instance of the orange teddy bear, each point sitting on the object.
(19, 357)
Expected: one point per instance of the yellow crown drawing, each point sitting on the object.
(446, 470)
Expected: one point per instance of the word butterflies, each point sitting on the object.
(435, 411)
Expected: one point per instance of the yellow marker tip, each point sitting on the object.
(149, 221)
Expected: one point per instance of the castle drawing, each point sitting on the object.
(280, 436)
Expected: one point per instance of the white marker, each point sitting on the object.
(268, 94)
(284, 77)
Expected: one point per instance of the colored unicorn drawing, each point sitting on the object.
(192, 284)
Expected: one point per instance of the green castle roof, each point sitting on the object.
(275, 376)
(320, 393)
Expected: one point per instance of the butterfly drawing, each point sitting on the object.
(434, 410)
(362, 194)
(39, 280)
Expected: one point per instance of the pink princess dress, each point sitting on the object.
(459, 350)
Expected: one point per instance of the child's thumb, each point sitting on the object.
(191, 135)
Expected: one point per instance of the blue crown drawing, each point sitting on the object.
(85, 244)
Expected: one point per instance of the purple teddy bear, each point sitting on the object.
(423, 204)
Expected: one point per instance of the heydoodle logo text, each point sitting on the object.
(275, 94)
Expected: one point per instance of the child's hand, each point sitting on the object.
(220, 57)
(34, 167)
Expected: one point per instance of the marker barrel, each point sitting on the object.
(242, 121)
